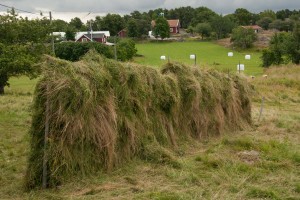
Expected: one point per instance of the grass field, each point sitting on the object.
(208, 54)
(262, 162)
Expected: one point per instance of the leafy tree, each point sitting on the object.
(16, 60)
(277, 48)
(136, 15)
(132, 28)
(184, 14)
(59, 25)
(70, 34)
(97, 23)
(204, 29)
(222, 26)
(265, 22)
(202, 15)
(267, 57)
(191, 30)
(22, 42)
(292, 45)
(77, 24)
(161, 28)
(282, 25)
(243, 38)
(283, 14)
(113, 23)
(126, 49)
(243, 16)
(268, 13)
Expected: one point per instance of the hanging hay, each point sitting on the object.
(102, 113)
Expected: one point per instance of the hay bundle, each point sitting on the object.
(103, 113)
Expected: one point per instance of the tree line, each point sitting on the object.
(24, 41)
(200, 20)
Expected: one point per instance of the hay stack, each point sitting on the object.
(103, 113)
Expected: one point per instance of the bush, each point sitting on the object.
(243, 37)
(73, 51)
(126, 49)
(267, 57)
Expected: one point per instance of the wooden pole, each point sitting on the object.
(45, 158)
(261, 108)
(47, 111)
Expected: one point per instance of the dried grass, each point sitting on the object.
(103, 113)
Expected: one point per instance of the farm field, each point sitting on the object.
(262, 162)
(208, 54)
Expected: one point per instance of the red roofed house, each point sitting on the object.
(174, 25)
(256, 28)
(97, 37)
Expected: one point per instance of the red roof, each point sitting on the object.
(172, 23)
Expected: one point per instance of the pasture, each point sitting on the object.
(208, 55)
(262, 162)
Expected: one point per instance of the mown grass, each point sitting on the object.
(208, 54)
(260, 163)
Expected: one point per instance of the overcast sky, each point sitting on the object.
(67, 9)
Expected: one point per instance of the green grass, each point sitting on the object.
(211, 169)
(208, 54)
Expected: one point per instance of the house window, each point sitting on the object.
(84, 40)
(171, 30)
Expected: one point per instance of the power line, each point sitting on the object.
(25, 11)
(18, 9)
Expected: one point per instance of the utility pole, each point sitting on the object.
(91, 30)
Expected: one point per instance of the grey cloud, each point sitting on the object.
(127, 6)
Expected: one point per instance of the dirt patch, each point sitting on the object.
(249, 157)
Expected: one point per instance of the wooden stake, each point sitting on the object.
(261, 108)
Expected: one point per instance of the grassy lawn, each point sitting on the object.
(208, 54)
(262, 162)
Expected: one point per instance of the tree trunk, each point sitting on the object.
(1, 89)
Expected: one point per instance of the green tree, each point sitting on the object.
(243, 16)
(59, 25)
(161, 28)
(16, 60)
(265, 22)
(113, 23)
(77, 24)
(222, 26)
(132, 28)
(70, 34)
(292, 45)
(22, 42)
(126, 49)
(202, 15)
(204, 29)
(277, 48)
(243, 38)
(281, 25)
(268, 13)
